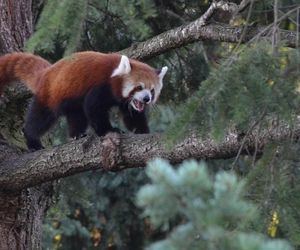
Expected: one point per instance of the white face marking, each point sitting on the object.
(123, 68)
(140, 98)
(127, 88)
(140, 95)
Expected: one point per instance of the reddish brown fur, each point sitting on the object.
(25, 67)
(72, 76)
(81, 87)
(141, 72)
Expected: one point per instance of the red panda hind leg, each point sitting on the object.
(38, 120)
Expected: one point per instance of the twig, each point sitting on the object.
(246, 26)
(244, 4)
(221, 5)
(298, 30)
(270, 25)
(275, 35)
(245, 137)
(174, 15)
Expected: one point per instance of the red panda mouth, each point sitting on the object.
(137, 105)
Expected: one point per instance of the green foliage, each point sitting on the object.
(97, 211)
(137, 13)
(209, 212)
(274, 184)
(245, 90)
(60, 20)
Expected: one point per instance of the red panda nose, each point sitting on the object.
(146, 99)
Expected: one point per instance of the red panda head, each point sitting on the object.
(141, 84)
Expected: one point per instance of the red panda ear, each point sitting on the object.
(123, 68)
(161, 73)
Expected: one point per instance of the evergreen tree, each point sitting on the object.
(200, 211)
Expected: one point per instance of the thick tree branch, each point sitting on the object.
(115, 152)
(194, 32)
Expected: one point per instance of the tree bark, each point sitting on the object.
(117, 152)
(22, 212)
(21, 217)
(194, 32)
(15, 24)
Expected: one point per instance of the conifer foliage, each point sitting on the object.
(248, 89)
(60, 20)
(209, 212)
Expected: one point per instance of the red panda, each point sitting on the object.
(83, 87)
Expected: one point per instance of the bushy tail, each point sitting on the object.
(24, 67)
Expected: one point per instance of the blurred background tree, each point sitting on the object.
(211, 87)
(206, 212)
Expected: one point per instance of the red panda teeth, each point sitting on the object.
(139, 106)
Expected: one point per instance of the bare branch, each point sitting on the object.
(220, 5)
(190, 33)
(275, 36)
(264, 31)
(244, 5)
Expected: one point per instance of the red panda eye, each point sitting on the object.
(138, 88)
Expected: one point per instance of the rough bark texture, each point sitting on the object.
(117, 152)
(15, 24)
(21, 216)
(194, 32)
(22, 212)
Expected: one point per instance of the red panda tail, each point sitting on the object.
(24, 67)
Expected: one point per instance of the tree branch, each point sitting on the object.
(117, 152)
(195, 31)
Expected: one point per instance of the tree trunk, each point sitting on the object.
(21, 217)
(15, 24)
(21, 213)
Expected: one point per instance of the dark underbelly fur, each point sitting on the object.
(91, 109)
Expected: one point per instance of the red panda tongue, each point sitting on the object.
(139, 105)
